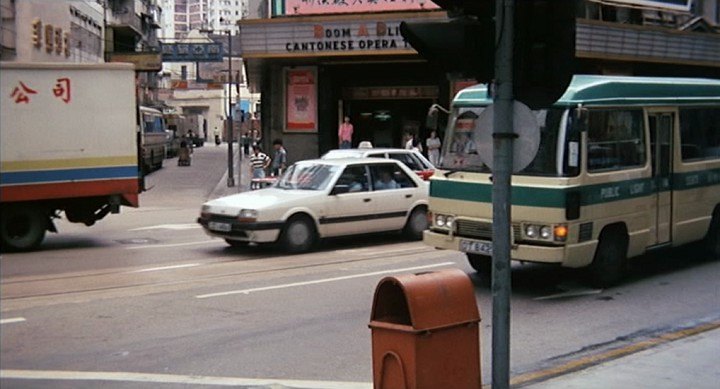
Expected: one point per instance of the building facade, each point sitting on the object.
(315, 62)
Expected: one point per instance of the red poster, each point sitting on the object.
(301, 100)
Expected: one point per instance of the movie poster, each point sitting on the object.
(301, 103)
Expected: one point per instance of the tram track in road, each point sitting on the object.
(81, 287)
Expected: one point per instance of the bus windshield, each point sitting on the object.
(557, 156)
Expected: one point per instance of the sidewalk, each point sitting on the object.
(690, 362)
(242, 184)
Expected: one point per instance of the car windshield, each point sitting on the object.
(307, 176)
(557, 154)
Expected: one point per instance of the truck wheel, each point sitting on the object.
(299, 235)
(610, 262)
(712, 239)
(22, 229)
(481, 263)
(416, 224)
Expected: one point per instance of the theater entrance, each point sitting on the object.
(384, 122)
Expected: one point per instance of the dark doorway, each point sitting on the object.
(383, 122)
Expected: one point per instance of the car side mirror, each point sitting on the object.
(340, 189)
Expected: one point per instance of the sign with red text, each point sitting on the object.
(320, 7)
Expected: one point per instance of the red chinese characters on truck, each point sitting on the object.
(21, 93)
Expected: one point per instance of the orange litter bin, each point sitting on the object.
(425, 332)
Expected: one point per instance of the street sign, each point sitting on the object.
(191, 52)
(525, 126)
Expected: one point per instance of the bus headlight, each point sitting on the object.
(531, 231)
(547, 233)
(444, 221)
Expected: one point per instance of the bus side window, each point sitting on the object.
(700, 133)
(615, 140)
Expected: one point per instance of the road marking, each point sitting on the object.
(570, 293)
(175, 227)
(322, 281)
(166, 268)
(176, 379)
(158, 246)
(12, 320)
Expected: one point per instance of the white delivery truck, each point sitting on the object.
(69, 140)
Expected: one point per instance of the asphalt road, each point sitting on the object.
(147, 292)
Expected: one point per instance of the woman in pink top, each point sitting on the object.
(345, 134)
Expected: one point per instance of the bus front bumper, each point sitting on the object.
(568, 256)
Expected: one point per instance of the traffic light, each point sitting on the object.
(544, 44)
(544, 53)
(461, 46)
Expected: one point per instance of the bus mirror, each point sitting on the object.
(431, 120)
(581, 116)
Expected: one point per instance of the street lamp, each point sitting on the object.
(230, 165)
(231, 173)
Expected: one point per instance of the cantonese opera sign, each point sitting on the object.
(317, 7)
(301, 100)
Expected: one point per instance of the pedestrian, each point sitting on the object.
(411, 142)
(259, 161)
(433, 148)
(216, 132)
(279, 161)
(345, 132)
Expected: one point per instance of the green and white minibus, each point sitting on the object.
(625, 165)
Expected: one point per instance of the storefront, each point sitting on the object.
(313, 70)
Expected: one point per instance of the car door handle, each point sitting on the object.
(366, 200)
(407, 196)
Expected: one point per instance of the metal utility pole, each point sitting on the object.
(231, 173)
(503, 136)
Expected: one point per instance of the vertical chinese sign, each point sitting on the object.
(301, 100)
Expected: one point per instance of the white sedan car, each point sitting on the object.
(412, 158)
(323, 198)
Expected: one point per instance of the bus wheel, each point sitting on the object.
(481, 263)
(610, 262)
(712, 240)
(299, 235)
(22, 228)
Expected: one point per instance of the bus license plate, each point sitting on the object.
(476, 247)
(222, 227)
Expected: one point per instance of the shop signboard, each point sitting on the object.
(191, 52)
(678, 5)
(320, 7)
(301, 99)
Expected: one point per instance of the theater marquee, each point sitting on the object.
(325, 37)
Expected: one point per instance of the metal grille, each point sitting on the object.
(480, 230)
(586, 230)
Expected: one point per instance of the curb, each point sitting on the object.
(615, 353)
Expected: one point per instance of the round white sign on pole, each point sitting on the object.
(526, 144)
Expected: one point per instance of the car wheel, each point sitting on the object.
(712, 239)
(22, 228)
(299, 235)
(610, 262)
(416, 224)
(481, 264)
(237, 243)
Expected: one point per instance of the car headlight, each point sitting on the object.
(247, 215)
(440, 220)
(205, 211)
